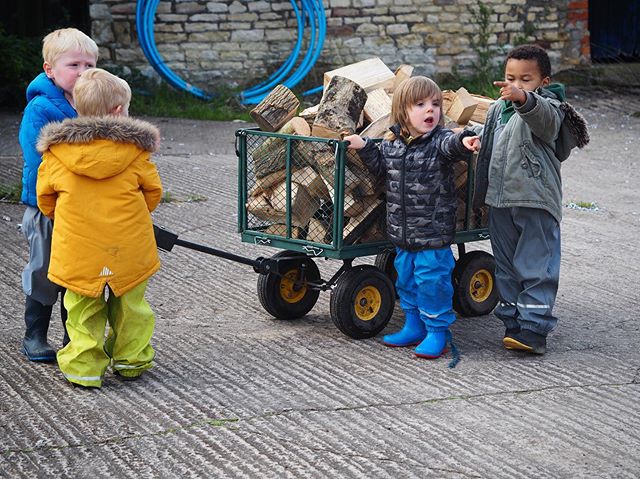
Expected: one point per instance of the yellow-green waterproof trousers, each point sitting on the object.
(131, 321)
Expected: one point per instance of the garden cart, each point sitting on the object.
(313, 198)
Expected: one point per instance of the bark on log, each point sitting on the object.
(271, 155)
(276, 109)
(340, 109)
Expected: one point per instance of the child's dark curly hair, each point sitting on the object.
(532, 52)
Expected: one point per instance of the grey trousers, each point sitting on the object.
(526, 246)
(37, 229)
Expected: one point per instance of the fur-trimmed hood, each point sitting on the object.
(87, 129)
(98, 147)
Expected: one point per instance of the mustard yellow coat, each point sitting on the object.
(98, 184)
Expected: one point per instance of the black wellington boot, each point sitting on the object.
(35, 346)
(63, 316)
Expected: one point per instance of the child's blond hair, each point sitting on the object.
(98, 92)
(409, 93)
(63, 40)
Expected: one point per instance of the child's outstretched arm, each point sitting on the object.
(471, 143)
(369, 152)
(541, 115)
(452, 145)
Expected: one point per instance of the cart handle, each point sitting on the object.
(166, 240)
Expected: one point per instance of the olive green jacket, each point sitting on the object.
(522, 168)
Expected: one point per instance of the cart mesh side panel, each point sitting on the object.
(478, 217)
(295, 190)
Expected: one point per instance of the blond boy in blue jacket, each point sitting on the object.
(67, 53)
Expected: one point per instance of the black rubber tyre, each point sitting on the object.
(384, 262)
(276, 292)
(474, 284)
(362, 302)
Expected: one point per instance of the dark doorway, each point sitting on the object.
(36, 18)
(23, 24)
(614, 28)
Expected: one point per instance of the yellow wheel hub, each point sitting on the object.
(287, 290)
(367, 303)
(481, 285)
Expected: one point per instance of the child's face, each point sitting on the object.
(524, 74)
(68, 67)
(424, 116)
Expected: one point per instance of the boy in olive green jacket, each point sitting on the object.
(529, 131)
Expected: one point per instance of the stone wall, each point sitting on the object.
(239, 43)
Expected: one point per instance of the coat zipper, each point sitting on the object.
(402, 199)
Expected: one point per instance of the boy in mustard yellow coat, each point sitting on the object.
(98, 181)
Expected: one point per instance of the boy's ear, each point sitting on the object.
(545, 81)
(48, 70)
(116, 111)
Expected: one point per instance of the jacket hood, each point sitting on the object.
(553, 90)
(42, 86)
(98, 147)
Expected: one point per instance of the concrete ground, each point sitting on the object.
(236, 393)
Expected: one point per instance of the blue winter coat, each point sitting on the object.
(46, 104)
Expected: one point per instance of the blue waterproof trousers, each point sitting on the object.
(526, 245)
(424, 286)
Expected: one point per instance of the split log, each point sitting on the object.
(303, 205)
(462, 107)
(309, 114)
(403, 72)
(480, 113)
(272, 208)
(312, 181)
(317, 231)
(378, 105)
(378, 128)
(370, 74)
(276, 109)
(271, 155)
(280, 229)
(376, 232)
(340, 109)
(358, 225)
(357, 206)
(447, 99)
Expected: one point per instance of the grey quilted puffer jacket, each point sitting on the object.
(421, 199)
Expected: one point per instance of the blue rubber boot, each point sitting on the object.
(434, 345)
(412, 333)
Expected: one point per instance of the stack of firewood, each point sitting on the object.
(356, 99)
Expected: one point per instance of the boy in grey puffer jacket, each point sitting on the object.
(528, 133)
(416, 158)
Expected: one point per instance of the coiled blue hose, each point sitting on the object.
(311, 13)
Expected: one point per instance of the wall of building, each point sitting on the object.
(239, 43)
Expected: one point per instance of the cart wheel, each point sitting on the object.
(362, 302)
(474, 284)
(384, 262)
(278, 295)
